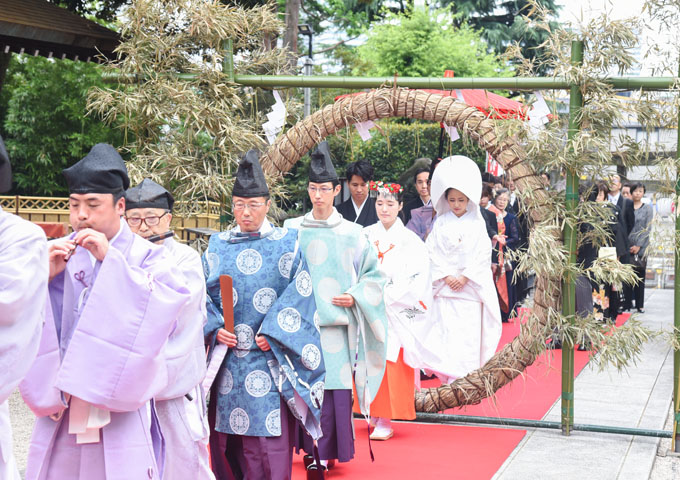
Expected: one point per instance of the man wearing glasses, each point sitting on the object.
(273, 370)
(348, 288)
(180, 406)
(114, 299)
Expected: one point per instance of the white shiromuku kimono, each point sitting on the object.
(23, 293)
(467, 323)
(181, 406)
(404, 260)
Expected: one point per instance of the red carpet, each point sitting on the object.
(419, 450)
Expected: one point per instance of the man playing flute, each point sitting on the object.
(114, 300)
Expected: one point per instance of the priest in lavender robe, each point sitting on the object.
(180, 406)
(23, 292)
(272, 376)
(348, 288)
(114, 300)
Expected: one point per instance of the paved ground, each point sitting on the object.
(640, 397)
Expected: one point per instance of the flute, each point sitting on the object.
(161, 236)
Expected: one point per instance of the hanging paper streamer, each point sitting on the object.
(363, 129)
(538, 115)
(452, 131)
(277, 117)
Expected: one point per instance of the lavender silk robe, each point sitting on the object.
(23, 291)
(104, 342)
(183, 422)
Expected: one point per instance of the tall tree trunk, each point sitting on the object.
(4, 63)
(291, 34)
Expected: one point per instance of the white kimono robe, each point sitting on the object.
(23, 292)
(183, 421)
(468, 322)
(404, 259)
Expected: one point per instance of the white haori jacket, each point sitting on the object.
(23, 294)
(404, 259)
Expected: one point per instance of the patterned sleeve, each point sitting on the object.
(368, 335)
(296, 360)
(215, 320)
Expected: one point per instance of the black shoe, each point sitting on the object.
(553, 344)
(583, 348)
(308, 460)
(641, 310)
(316, 472)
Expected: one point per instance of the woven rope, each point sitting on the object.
(511, 361)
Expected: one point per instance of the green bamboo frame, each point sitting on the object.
(570, 236)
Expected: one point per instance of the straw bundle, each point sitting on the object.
(399, 102)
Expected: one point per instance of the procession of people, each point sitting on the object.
(142, 359)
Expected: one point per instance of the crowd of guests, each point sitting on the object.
(337, 311)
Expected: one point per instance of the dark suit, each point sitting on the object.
(491, 230)
(628, 213)
(625, 223)
(514, 206)
(367, 216)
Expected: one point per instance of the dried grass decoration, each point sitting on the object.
(399, 102)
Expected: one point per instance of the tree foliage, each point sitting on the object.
(42, 112)
(189, 133)
(503, 22)
(421, 43)
(101, 9)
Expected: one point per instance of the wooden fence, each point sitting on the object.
(54, 210)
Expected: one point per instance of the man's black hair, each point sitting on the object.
(361, 169)
(117, 196)
(418, 172)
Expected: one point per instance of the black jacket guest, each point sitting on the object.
(359, 207)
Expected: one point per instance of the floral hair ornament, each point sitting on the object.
(385, 189)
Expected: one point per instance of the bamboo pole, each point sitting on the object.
(228, 70)
(525, 423)
(570, 238)
(441, 83)
(676, 311)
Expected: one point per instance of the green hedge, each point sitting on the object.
(391, 153)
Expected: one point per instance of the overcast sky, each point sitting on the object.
(572, 10)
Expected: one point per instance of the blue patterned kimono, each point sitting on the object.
(272, 297)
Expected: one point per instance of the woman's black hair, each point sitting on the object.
(600, 186)
(487, 191)
(635, 186)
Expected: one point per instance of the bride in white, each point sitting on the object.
(465, 313)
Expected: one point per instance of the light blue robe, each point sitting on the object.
(354, 339)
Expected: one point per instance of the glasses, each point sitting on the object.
(149, 221)
(238, 206)
(314, 190)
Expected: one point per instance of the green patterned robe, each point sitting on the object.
(341, 260)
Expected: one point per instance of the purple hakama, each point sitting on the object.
(337, 441)
(253, 458)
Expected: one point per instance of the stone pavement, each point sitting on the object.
(639, 397)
